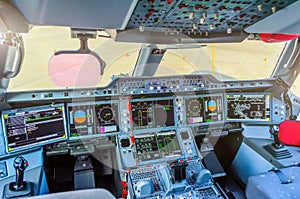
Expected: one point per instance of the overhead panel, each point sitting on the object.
(201, 17)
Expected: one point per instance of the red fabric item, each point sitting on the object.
(289, 132)
(272, 38)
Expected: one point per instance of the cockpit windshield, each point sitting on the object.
(239, 61)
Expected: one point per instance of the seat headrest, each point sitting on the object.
(289, 132)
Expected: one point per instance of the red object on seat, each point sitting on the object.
(272, 38)
(289, 132)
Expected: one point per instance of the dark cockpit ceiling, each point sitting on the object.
(167, 21)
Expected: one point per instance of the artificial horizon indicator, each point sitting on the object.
(92, 118)
(204, 109)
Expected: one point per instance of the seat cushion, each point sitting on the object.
(268, 185)
(80, 194)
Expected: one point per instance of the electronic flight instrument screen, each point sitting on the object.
(157, 146)
(248, 107)
(204, 109)
(152, 113)
(34, 126)
(93, 118)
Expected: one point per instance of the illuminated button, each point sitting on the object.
(124, 89)
(142, 92)
(125, 121)
(189, 150)
(158, 88)
(125, 114)
(191, 15)
(43, 96)
(151, 88)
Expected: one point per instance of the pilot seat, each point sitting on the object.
(279, 183)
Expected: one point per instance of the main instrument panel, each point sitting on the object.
(147, 106)
(153, 122)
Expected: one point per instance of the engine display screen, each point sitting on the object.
(92, 118)
(157, 146)
(152, 114)
(248, 107)
(204, 109)
(34, 126)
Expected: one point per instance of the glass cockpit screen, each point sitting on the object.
(152, 114)
(92, 118)
(156, 146)
(248, 107)
(34, 126)
(204, 109)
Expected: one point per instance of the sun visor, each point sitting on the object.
(285, 21)
(11, 19)
(87, 14)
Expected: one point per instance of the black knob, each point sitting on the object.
(274, 130)
(20, 164)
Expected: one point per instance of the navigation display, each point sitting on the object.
(156, 146)
(204, 109)
(249, 107)
(92, 118)
(34, 126)
(152, 114)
